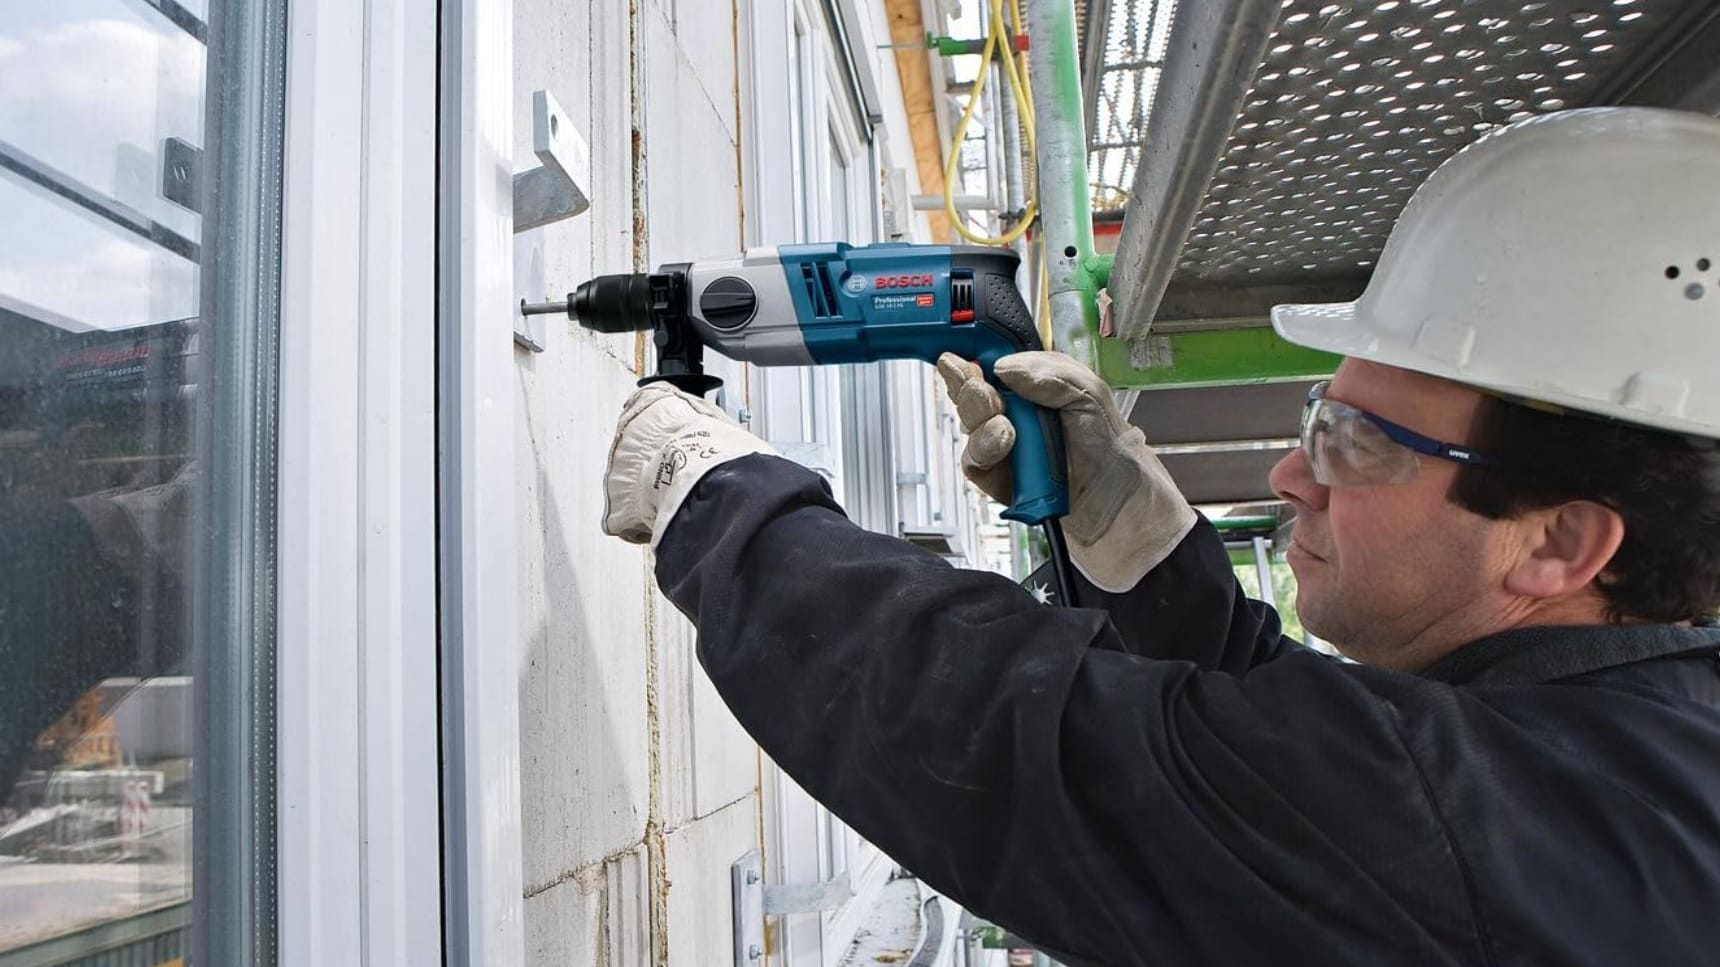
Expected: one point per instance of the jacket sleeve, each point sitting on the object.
(1115, 808)
(1190, 607)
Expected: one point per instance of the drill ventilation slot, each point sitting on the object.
(819, 291)
(961, 295)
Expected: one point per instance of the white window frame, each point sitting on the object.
(356, 708)
(479, 556)
(367, 868)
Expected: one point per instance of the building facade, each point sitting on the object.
(314, 650)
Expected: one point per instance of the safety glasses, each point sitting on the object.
(1349, 447)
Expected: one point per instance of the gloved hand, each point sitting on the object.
(665, 443)
(1125, 513)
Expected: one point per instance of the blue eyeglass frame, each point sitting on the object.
(1398, 433)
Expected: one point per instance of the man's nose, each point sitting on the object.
(1293, 479)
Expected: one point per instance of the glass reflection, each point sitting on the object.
(98, 341)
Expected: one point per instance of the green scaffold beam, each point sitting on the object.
(1220, 357)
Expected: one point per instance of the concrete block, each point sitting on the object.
(726, 763)
(600, 915)
(676, 671)
(694, 200)
(706, 33)
(582, 600)
(700, 907)
(709, 761)
(627, 916)
(564, 924)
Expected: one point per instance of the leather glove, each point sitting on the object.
(1125, 513)
(665, 442)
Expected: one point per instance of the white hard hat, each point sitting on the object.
(1572, 258)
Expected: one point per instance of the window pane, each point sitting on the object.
(82, 271)
(115, 445)
(95, 90)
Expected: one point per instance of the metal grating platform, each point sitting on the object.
(1286, 136)
(1357, 103)
(1120, 79)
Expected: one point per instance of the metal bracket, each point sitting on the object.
(812, 455)
(530, 332)
(754, 901)
(182, 173)
(963, 203)
(554, 190)
(807, 897)
(746, 887)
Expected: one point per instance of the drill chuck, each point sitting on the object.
(613, 303)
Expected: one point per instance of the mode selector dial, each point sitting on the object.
(728, 303)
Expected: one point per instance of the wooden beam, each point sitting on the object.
(914, 65)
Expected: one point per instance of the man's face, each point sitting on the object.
(1396, 574)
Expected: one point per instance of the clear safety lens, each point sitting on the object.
(1345, 448)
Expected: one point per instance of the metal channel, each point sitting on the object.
(1680, 71)
(234, 646)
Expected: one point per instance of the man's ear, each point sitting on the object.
(1564, 548)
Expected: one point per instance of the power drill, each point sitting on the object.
(812, 305)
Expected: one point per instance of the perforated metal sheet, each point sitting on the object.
(1357, 102)
(1135, 37)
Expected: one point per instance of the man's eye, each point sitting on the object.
(1371, 441)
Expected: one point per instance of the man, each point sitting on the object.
(1508, 511)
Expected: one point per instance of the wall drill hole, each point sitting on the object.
(1069, 251)
(1702, 265)
(1672, 271)
(1695, 290)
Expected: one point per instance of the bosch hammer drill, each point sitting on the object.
(809, 305)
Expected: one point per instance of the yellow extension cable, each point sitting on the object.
(1020, 84)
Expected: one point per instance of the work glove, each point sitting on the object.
(1125, 513)
(665, 442)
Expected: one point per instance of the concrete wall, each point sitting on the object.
(638, 788)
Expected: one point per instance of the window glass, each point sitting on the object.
(81, 271)
(106, 435)
(109, 83)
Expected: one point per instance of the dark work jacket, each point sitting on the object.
(1167, 780)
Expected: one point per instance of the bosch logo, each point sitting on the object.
(855, 285)
(903, 281)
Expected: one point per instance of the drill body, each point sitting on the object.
(811, 305)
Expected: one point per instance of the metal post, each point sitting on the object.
(996, 147)
(1263, 566)
(1065, 210)
(1009, 121)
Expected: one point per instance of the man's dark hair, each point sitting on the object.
(1665, 486)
